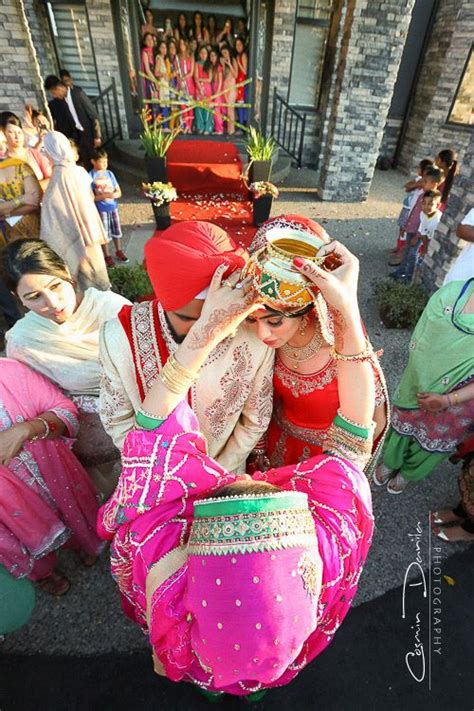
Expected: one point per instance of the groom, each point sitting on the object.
(232, 398)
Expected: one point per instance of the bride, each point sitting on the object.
(298, 324)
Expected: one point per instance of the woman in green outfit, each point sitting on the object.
(434, 404)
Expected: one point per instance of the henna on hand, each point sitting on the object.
(218, 322)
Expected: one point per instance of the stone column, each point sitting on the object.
(371, 40)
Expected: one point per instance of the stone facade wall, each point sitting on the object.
(445, 245)
(19, 84)
(372, 38)
(105, 46)
(38, 22)
(427, 132)
(390, 137)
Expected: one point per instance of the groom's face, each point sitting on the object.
(181, 320)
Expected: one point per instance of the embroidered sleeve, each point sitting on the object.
(254, 419)
(69, 418)
(115, 409)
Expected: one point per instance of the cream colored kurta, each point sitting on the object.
(232, 396)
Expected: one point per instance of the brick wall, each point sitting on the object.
(18, 80)
(427, 132)
(372, 36)
(390, 137)
(105, 46)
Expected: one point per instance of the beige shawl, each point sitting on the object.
(68, 353)
(70, 222)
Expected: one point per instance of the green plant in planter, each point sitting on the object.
(154, 140)
(400, 305)
(132, 282)
(259, 147)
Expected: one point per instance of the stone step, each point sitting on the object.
(127, 160)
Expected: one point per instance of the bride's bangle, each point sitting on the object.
(366, 354)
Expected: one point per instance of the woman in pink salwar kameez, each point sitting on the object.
(217, 86)
(240, 582)
(186, 84)
(46, 496)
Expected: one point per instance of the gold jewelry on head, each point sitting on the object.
(273, 273)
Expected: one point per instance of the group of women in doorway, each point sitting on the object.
(181, 65)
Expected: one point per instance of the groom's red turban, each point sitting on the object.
(182, 260)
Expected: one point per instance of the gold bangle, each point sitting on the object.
(456, 398)
(176, 377)
(46, 429)
(366, 354)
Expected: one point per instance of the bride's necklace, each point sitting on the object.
(300, 354)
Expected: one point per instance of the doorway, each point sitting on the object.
(257, 26)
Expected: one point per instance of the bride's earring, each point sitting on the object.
(303, 324)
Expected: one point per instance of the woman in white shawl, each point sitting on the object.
(70, 223)
(59, 337)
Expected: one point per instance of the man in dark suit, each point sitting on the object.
(74, 115)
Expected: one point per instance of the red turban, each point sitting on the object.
(181, 261)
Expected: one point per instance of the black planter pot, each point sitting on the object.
(261, 209)
(162, 216)
(156, 169)
(260, 170)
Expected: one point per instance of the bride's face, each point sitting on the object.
(274, 329)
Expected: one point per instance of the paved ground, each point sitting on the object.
(88, 620)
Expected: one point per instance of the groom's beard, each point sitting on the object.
(176, 338)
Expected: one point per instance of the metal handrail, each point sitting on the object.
(108, 111)
(288, 127)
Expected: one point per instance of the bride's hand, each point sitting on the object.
(338, 287)
(224, 310)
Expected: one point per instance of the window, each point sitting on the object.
(462, 108)
(72, 40)
(311, 32)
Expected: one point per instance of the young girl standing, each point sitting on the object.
(174, 83)
(447, 161)
(197, 31)
(187, 88)
(162, 75)
(147, 66)
(229, 66)
(217, 85)
(181, 30)
(242, 91)
(203, 79)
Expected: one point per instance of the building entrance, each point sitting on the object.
(173, 56)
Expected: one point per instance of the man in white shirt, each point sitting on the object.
(74, 115)
(463, 267)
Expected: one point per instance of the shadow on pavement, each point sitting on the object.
(363, 668)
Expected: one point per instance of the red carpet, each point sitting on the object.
(208, 178)
(205, 166)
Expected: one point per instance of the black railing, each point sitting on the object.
(107, 108)
(288, 127)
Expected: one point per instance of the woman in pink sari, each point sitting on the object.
(239, 582)
(46, 497)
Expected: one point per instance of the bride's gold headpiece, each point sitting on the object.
(273, 273)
